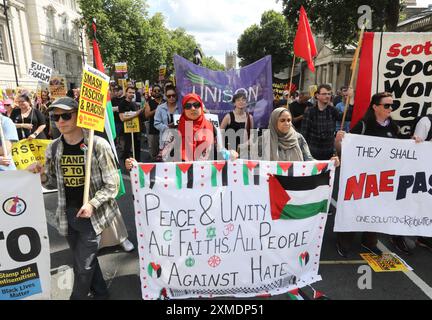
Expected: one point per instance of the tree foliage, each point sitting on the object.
(338, 20)
(126, 33)
(274, 36)
(212, 64)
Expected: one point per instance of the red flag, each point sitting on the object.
(304, 43)
(96, 51)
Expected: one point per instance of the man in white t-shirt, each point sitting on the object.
(422, 133)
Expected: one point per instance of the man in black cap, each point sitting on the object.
(81, 224)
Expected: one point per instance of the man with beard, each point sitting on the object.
(150, 110)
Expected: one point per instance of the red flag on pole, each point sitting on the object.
(110, 130)
(304, 43)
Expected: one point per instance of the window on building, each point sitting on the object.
(3, 48)
(75, 34)
(79, 64)
(69, 63)
(65, 30)
(51, 24)
(55, 63)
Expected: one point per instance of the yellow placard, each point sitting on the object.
(312, 90)
(132, 126)
(93, 98)
(147, 86)
(26, 152)
(139, 85)
(122, 83)
(57, 87)
(121, 67)
(162, 72)
(387, 262)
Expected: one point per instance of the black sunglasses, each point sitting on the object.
(387, 105)
(64, 116)
(189, 106)
(171, 96)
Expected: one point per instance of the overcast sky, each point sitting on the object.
(217, 24)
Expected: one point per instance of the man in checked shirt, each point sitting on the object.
(319, 124)
(81, 224)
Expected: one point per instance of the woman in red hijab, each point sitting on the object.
(197, 133)
(196, 136)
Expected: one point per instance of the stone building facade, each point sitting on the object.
(20, 48)
(56, 37)
(47, 31)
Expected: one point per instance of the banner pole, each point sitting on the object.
(291, 77)
(353, 70)
(133, 145)
(2, 138)
(88, 167)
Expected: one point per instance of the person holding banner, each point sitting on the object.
(423, 132)
(238, 120)
(376, 122)
(8, 135)
(81, 224)
(30, 122)
(196, 136)
(164, 116)
(281, 142)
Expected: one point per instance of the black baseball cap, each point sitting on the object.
(64, 103)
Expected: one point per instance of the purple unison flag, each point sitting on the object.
(217, 88)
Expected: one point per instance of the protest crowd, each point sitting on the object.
(172, 126)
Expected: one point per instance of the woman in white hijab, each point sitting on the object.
(282, 142)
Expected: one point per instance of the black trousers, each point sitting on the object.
(84, 244)
(127, 153)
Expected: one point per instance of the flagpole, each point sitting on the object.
(133, 145)
(88, 167)
(353, 70)
(291, 77)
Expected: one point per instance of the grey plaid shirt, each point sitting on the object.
(104, 184)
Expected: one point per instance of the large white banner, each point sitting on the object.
(221, 228)
(385, 186)
(399, 63)
(24, 244)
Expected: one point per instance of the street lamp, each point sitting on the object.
(5, 7)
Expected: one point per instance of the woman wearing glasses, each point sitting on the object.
(164, 117)
(238, 120)
(376, 122)
(196, 137)
(30, 122)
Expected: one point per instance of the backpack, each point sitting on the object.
(414, 126)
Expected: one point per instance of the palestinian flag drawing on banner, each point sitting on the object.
(147, 175)
(219, 173)
(295, 295)
(251, 173)
(184, 175)
(318, 168)
(285, 169)
(298, 197)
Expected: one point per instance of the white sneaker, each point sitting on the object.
(127, 246)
